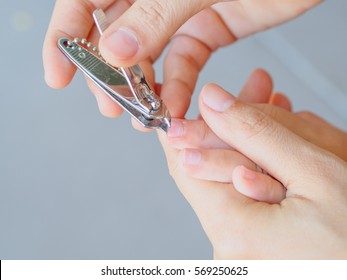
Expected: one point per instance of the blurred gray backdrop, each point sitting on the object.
(75, 185)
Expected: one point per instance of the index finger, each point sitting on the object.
(69, 19)
(191, 48)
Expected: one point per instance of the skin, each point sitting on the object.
(217, 159)
(301, 209)
(309, 223)
(196, 29)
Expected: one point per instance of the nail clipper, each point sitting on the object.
(125, 85)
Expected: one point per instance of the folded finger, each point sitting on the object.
(213, 165)
(257, 185)
(252, 132)
(106, 105)
(69, 19)
(258, 88)
(280, 100)
(213, 202)
(193, 134)
(73, 19)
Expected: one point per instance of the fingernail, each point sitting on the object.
(122, 43)
(217, 99)
(248, 174)
(192, 157)
(176, 129)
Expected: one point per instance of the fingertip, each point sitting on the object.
(262, 74)
(216, 98)
(58, 70)
(258, 87)
(281, 100)
(139, 126)
(246, 173)
(172, 91)
(211, 87)
(107, 107)
(263, 80)
(120, 47)
(177, 129)
(243, 179)
(258, 186)
(57, 81)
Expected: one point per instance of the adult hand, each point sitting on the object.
(218, 158)
(199, 28)
(315, 181)
(144, 29)
(74, 19)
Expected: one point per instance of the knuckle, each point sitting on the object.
(323, 163)
(203, 132)
(225, 160)
(84, 8)
(270, 110)
(306, 114)
(255, 122)
(154, 12)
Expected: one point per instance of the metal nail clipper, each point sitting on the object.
(125, 85)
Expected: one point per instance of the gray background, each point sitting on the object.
(74, 184)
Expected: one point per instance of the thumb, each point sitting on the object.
(273, 147)
(145, 28)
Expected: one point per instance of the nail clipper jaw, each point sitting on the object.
(160, 119)
(115, 85)
(165, 124)
(154, 112)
